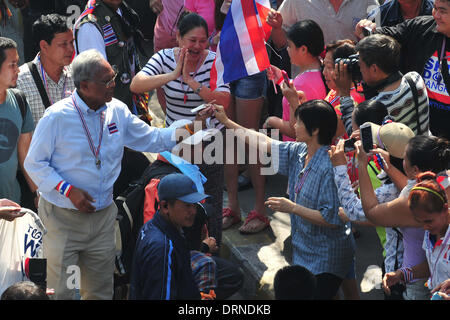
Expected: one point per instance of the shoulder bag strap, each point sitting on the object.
(416, 100)
(39, 84)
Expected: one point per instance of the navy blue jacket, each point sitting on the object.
(161, 267)
(390, 13)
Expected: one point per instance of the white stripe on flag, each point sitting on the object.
(244, 40)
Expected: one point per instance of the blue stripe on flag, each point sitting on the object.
(231, 54)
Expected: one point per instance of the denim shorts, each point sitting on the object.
(251, 87)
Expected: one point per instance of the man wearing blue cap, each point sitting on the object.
(162, 262)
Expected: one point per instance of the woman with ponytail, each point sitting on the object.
(428, 203)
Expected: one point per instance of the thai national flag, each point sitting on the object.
(112, 128)
(263, 7)
(241, 50)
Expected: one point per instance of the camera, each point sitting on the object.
(352, 66)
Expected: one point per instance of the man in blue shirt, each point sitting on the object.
(162, 262)
(74, 159)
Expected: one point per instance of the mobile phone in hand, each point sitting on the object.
(366, 136)
(285, 77)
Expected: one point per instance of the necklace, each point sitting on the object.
(95, 151)
(200, 60)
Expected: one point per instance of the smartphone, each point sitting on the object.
(349, 145)
(285, 77)
(200, 107)
(366, 136)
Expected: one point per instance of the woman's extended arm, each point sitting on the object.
(394, 213)
(251, 137)
(285, 205)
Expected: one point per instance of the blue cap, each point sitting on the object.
(180, 187)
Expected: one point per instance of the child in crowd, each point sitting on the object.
(304, 45)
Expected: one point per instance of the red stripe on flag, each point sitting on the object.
(263, 13)
(256, 34)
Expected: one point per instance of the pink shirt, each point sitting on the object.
(205, 9)
(165, 30)
(311, 83)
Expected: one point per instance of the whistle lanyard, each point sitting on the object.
(95, 151)
(44, 79)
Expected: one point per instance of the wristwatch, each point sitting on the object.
(197, 91)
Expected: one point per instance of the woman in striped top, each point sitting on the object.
(183, 72)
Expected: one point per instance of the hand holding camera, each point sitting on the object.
(342, 78)
(364, 28)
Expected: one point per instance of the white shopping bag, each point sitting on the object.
(19, 239)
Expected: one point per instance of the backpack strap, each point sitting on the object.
(39, 84)
(416, 100)
(21, 101)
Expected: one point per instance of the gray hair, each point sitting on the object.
(86, 66)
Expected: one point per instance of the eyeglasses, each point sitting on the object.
(109, 83)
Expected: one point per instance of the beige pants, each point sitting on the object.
(80, 249)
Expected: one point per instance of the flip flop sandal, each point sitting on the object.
(229, 218)
(252, 216)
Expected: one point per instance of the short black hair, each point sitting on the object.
(381, 50)
(46, 26)
(370, 111)
(24, 290)
(5, 44)
(294, 283)
(318, 114)
(307, 33)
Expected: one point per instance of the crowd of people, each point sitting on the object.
(365, 139)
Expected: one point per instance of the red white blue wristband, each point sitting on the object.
(64, 188)
(407, 274)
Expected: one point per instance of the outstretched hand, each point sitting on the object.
(219, 113)
(280, 204)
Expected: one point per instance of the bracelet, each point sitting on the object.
(197, 91)
(408, 275)
(64, 188)
(189, 129)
